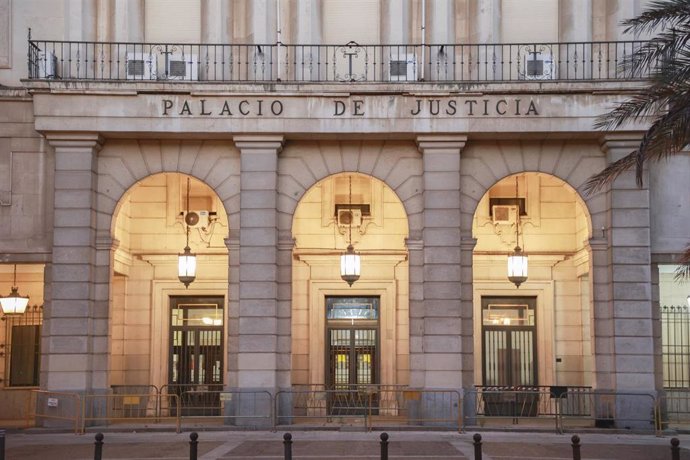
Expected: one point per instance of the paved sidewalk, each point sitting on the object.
(256, 445)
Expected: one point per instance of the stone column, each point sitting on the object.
(216, 21)
(441, 338)
(258, 345)
(233, 245)
(629, 266)
(129, 21)
(487, 22)
(395, 22)
(262, 21)
(575, 20)
(80, 20)
(75, 341)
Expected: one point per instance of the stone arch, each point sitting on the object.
(124, 163)
(483, 164)
(398, 164)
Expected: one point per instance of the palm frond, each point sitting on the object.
(659, 12)
(597, 182)
(683, 270)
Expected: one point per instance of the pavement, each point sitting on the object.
(341, 445)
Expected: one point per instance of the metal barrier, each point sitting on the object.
(246, 408)
(55, 406)
(613, 409)
(407, 406)
(674, 408)
(370, 405)
(507, 403)
(113, 408)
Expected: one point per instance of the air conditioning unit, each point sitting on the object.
(403, 67)
(349, 217)
(539, 66)
(48, 65)
(183, 67)
(504, 214)
(196, 219)
(141, 66)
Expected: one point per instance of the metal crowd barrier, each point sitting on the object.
(55, 407)
(120, 408)
(370, 405)
(515, 405)
(674, 409)
(614, 409)
(250, 408)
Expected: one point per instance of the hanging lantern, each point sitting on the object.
(14, 304)
(517, 267)
(517, 261)
(350, 265)
(186, 262)
(349, 260)
(186, 266)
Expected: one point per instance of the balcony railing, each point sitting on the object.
(107, 61)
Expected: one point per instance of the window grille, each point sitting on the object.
(675, 345)
(22, 347)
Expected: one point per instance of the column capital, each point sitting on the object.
(75, 140)
(429, 142)
(248, 142)
(628, 140)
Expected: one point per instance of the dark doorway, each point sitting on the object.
(196, 353)
(509, 346)
(352, 355)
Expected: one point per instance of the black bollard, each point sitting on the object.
(576, 447)
(2, 444)
(675, 449)
(384, 446)
(287, 442)
(193, 444)
(477, 446)
(98, 447)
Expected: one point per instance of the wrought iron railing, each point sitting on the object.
(105, 61)
(675, 346)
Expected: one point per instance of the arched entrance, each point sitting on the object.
(540, 333)
(162, 333)
(346, 336)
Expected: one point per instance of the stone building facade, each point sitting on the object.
(95, 160)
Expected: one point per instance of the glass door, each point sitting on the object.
(196, 353)
(352, 354)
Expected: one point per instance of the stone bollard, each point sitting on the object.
(477, 446)
(384, 446)
(675, 449)
(193, 445)
(2, 444)
(98, 447)
(576, 447)
(287, 443)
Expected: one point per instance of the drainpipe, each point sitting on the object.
(278, 32)
(421, 67)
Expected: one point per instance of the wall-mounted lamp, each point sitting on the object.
(14, 304)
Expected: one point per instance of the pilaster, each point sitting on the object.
(76, 352)
(441, 334)
(629, 273)
(258, 336)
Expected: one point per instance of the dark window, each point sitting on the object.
(23, 343)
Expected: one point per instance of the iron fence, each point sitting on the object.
(351, 62)
(675, 344)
